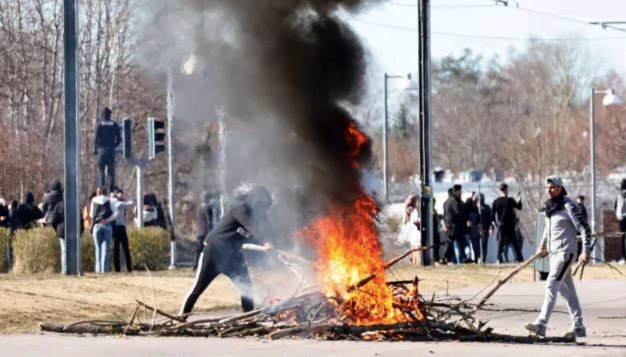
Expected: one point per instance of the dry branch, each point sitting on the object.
(507, 278)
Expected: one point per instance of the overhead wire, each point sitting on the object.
(412, 29)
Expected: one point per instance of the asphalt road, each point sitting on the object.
(604, 309)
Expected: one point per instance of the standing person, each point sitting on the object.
(473, 229)
(580, 202)
(455, 222)
(223, 253)
(505, 219)
(436, 236)
(620, 214)
(28, 213)
(108, 137)
(120, 236)
(207, 217)
(101, 215)
(563, 223)
(54, 215)
(486, 227)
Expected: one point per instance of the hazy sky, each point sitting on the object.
(390, 30)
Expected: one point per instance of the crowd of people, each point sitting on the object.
(103, 214)
(470, 224)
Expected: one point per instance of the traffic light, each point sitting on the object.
(127, 142)
(156, 139)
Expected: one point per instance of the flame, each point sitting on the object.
(349, 251)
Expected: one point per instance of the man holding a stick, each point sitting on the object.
(223, 251)
(563, 222)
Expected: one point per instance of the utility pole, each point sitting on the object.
(171, 188)
(139, 165)
(71, 200)
(425, 127)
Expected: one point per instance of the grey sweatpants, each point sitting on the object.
(560, 280)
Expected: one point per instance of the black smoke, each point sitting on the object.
(287, 70)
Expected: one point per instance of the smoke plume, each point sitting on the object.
(285, 70)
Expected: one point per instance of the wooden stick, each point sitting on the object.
(132, 319)
(507, 278)
(164, 314)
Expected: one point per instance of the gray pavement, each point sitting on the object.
(604, 308)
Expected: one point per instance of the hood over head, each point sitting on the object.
(106, 114)
(29, 198)
(55, 185)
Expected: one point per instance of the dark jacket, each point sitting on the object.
(28, 213)
(485, 216)
(504, 213)
(241, 224)
(453, 215)
(583, 212)
(4, 214)
(108, 135)
(53, 207)
(473, 215)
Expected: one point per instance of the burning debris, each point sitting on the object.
(336, 314)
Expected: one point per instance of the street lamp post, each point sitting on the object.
(609, 99)
(409, 85)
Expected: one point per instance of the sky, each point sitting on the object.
(390, 30)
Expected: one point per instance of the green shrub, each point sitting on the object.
(36, 251)
(4, 243)
(149, 247)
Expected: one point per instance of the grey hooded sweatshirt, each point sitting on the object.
(562, 225)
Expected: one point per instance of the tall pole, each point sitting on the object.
(72, 140)
(171, 189)
(386, 147)
(140, 166)
(592, 156)
(425, 136)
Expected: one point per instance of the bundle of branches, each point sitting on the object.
(313, 315)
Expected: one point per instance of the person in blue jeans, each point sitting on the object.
(102, 214)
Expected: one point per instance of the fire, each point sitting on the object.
(348, 252)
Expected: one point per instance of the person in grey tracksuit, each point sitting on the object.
(563, 223)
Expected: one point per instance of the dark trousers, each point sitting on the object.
(506, 236)
(198, 250)
(484, 244)
(209, 268)
(120, 237)
(106, 161)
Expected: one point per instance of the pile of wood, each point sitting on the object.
(312, 315)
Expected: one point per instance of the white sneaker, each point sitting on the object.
(537, 329)
(622, 262)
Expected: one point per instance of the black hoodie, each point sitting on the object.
(108, 135)
(243, 223)
(53, 207)
(28, 213)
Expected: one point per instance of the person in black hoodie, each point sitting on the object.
(28, 213)
(486, 226)
(108, 137)
(54, 213)
(455, 223)
(505, 219)
(223, 252)
(207, 217)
